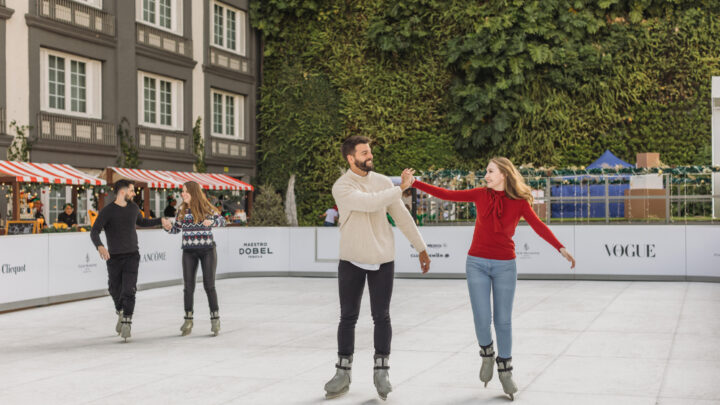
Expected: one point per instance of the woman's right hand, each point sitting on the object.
(568, 256)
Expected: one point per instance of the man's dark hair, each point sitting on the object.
(348, 147)
(68, 205)
(121, 184)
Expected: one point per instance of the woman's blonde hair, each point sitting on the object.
(515, 186)
(199, 205)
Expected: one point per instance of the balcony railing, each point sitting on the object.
(160, 39)
(80, 130)
(229, 60)
(78, 15)
(223, 148)
(3, 128)
(163, 140)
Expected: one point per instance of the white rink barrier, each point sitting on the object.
(47, 268)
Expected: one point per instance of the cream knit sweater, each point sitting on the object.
(365, 234)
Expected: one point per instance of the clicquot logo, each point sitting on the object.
(8, 269)
(630, 250)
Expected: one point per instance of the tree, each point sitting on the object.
(268, 208)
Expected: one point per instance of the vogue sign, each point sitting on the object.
(631, 250)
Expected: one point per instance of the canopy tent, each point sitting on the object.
(15, 173)
(211, 181)
(580, 209)
(26, 172)
(165, 179)
(608, 161)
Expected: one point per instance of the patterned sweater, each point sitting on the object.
(196, 236)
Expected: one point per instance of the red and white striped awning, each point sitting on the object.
(27, 172)
(172, 179)
(211, 181)
(153, 178)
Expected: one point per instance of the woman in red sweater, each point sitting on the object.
(490, 263)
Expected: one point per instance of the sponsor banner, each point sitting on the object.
(703, 250)
(306, 245)
(23, 267)
(258, 249)
(75, 264)
(160, 256)
(536, 256)
(653, 250)
(222, 241)
(327, 246)
(447, 247)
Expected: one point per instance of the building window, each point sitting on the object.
(161, 105)
(92, 3)
(163, 14)
(228, 28)
(70, 85)
(228, 115)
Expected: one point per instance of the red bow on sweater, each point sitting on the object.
(494, 208)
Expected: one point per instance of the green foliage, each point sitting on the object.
(19, 149)
(129, 157)
(268, 208)
(199, 147)
(452, 83)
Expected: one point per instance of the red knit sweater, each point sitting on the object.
(497, 218)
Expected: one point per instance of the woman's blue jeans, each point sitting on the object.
(500, 276)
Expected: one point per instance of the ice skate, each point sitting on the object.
(381, 377)
(187, 326)
(505, 374)
(340, 383)
(487, 353)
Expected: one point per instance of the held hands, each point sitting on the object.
(208, 222)
(166, 224)
(424, 261)
(407, 179)
(104, 254)
(568, 256)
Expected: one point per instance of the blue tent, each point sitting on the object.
(580, 209)
(608, 160)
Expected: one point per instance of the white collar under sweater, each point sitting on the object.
(365, 233)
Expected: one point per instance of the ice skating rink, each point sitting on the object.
(575, 342)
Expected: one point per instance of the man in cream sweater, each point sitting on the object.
(367, 251)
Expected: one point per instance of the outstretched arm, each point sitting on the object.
(146, 223)
(544, 232)
(352, 199)
(449, 195)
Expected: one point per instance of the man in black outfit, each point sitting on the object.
(170, 210)
(119, 219)
(68, 216)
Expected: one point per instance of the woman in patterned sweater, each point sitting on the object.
(195, 220)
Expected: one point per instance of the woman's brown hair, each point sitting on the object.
(199, 205)
(515, 186)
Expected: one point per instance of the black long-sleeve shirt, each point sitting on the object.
(119, 225)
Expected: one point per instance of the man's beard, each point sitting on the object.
(128, 198)
(366, 166)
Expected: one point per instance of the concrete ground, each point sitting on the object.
(575, 342)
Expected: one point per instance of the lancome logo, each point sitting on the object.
(630, 250)
(154, 257)
(8, 269)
